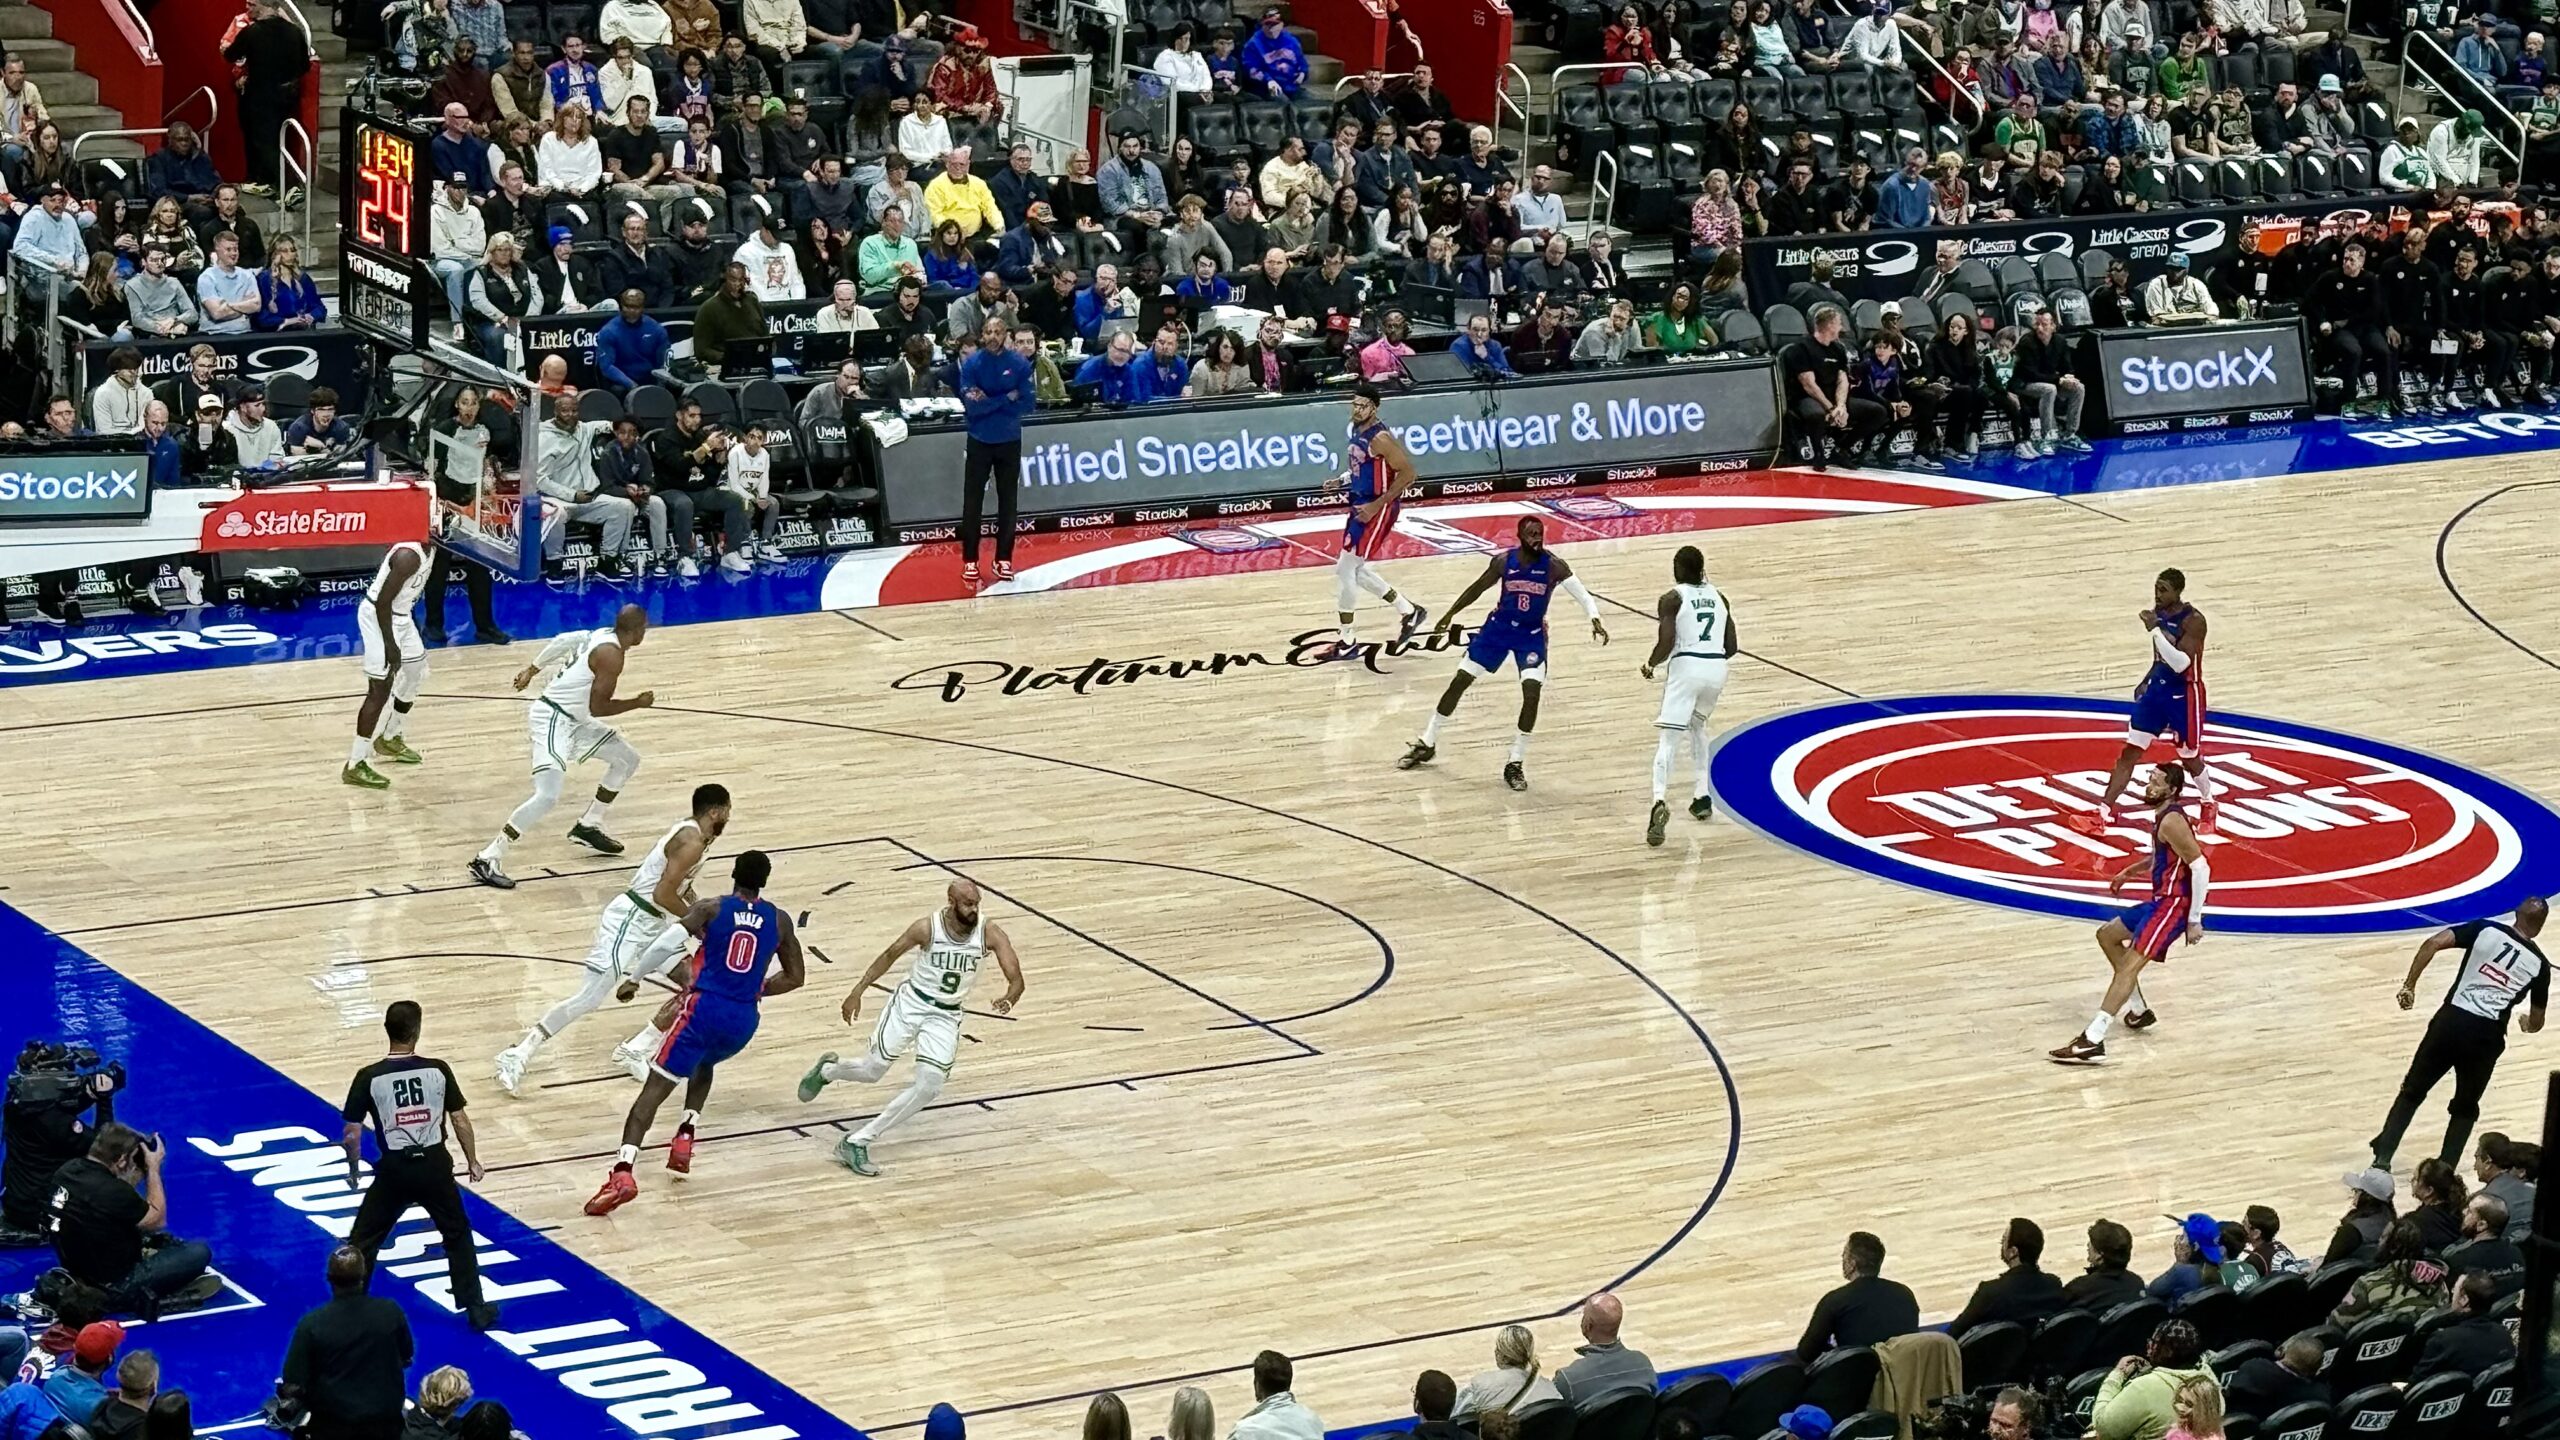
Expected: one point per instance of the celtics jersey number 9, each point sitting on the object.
(948, 964)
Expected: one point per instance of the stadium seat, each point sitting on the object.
(1581, 128)
(1767, 97)
(1703, 1398)
(2276, 1308)
(2355, 171)
(1994, 1354)
(2054, 268)
(2315, 174)
(599, 405)
(2227, 1360)
(2432, 1408)
(2094, 262)
(1214, 133)
(288, 397)
(1741, 331)
(1867, 1425)
(1713, 100)
(2364, 1415)
(2080, 1398)
(1841, 1381)
(1552, 1420)
(1975, 279)
(1866, 317)
(2493, 1399)
(1771, 1389)
(2329, 1286)
(2017, 273)
(2306, 1421)
(652, 406)
(2070, 307)
(2075, 179)
(1809, 100)
(2240, 67)
(2373, 122)
(526, 21)
(1142, 119)
(1675, 108)
(1265, 125)
(1853, 94)
(2125, 1330)
(2277, 177)
(2276, 66)
(584, 218)
(1897, 96)
(1784, 325)
(2060, 1345)
(719, 404)
(808, 77)
(1645, 190)
(2235, 181)
(761, 399)
(1629, 1417)
(1956, 302)
(1314, 125)
(2194, 182)
(1685, 167)
(1629, 111)
(2214, 1310)
(2149, 183)
(2374, 1352)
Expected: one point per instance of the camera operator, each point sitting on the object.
(44, 1127)
(108, 1236)
(2013, 1415)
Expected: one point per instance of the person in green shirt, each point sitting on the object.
(2182, 71)
(887, 255)
(2020, 135)
(1677, 328)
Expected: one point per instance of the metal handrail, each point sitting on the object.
(1521, 108)
(1348, 79)
(1170, 124)
(302, 169)
(294, 12)
(1955, 87)
(150, 42)
(1117, 24)
(1603, 200)
(137, 134)
(212, 105)
(2515, 152)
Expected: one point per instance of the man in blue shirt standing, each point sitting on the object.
(630, 347)
(996, 392)
(1903, 199)
(1164, 372)
(1273, 61)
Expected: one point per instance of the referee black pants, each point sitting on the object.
(2468, 1046)
(423, 1178)
(990, 461)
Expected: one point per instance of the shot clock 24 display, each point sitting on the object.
(382, 217)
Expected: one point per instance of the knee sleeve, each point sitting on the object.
(411, 679)
(621, 762)
(928, 1084)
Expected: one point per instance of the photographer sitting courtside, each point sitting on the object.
(45, 1125)
(110, 1237)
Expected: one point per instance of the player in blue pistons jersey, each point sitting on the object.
(1527, 577)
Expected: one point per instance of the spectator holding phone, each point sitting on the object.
(108, 1234)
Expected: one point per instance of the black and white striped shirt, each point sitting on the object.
(2499, 969)
(408, 1098)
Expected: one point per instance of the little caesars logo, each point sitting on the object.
(1307, 650)
(1973, 797)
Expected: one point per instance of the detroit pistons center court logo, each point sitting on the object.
(1972, 796)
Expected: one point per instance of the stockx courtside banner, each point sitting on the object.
(1241, 455)
(1889, 264)
(2192, 378)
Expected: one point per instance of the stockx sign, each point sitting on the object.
(2223, 370)
(2154, 372)
(50, 489)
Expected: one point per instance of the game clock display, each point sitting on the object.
(383, 222)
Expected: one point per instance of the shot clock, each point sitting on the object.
(385, 238)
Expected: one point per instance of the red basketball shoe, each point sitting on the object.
(618, 1190)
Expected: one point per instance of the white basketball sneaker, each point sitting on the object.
(633, 1062)
(510, 1070)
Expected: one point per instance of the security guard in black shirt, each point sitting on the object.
(2475, 1342)
(412, 1102)
(2413, 305)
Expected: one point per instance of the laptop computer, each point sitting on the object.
(824, 350)
(1426, 302)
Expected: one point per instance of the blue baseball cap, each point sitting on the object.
(1806, 1422)
(559, 233)
(2205, 1234)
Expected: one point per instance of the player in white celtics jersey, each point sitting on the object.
(567, 725)
(395, 661)
(622, 955)
(924, 1011)
(1692, 647)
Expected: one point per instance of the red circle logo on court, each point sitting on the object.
(1973, 796)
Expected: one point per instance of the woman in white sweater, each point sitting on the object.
(571, 164)
(1186, 69)
(924, 137)
(1513, 1383)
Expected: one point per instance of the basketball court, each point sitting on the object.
(1347, 1062)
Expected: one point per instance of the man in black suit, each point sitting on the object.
(1436, 270)
(2109, 1281)
(1867, 1310)
(2264, 1386)
(2475, 1341)
(1275, 289)
(1268, 361)
(2023, 1293)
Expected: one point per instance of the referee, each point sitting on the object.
(2500, 967)
(412, 1101)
